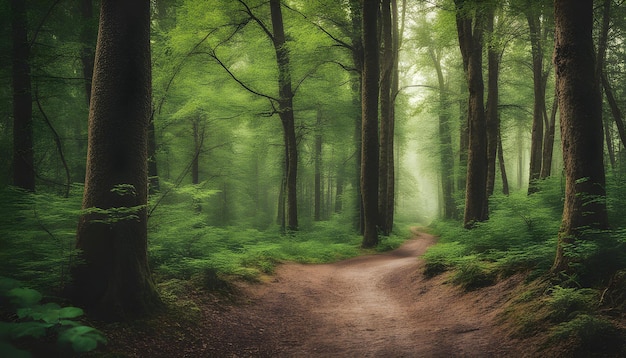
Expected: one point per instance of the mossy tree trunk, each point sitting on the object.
(581, 130)
(113, 280)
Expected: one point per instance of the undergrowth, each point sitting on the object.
(521, 237)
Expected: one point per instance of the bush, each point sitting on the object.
(35, 322)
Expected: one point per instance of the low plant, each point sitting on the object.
(34, 322)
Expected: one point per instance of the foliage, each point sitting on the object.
(210, 254)
(519, 236)
(37, 235)
(35, 321)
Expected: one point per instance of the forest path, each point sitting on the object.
(377, 305)
(371, 306)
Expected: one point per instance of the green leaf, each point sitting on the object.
(24, 297)
(70, 312)
(82, 338)
(28, 329)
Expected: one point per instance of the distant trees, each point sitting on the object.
(579, 97)
(113, 279)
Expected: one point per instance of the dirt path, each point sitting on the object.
(371, 306)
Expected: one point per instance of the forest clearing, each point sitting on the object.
(245, 178)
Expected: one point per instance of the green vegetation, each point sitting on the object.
(520, 237)
(36, 321)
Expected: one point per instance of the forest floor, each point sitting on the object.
(378, 305)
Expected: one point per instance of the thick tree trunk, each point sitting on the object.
(536, 143)
(356, 86)
(471, 43)
(285, 107)
(23, 155)
(386, 112)
(581, 129)
(113, 281)
(369, 136)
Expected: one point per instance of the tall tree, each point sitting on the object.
(285, 111)
(113, 279)
(369, 131)
(470, 19)
(540, 77)
(494, 54)
(386, 117)
(581, 129)
(23, 156)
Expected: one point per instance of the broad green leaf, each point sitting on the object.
(24, 297)
(81, 338)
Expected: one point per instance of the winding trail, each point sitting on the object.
(371, 306)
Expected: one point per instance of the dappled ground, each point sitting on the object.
(371, 306)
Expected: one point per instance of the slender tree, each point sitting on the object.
(113, 279)
(581, 129)
(369, 132)
(23, 155)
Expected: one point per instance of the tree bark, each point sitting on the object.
(386, 120)
(493, 117)
(505, 179)
(548, 141)
(369, 133)
(470, 34)
(23, 154)
(113, 281)
(581, 129)
(285, 107)
(536, 146)
(317, 210)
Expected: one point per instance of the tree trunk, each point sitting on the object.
(471, 43)
(386, 111)
(536, 146)
(446, 156)
(356, 86)
(369, 133)
(615, 110)
(505, 179)
(23, 155)
(493, 117)
(113, 281)
(317, 215)
(581, 130)
(548, 141)
(285, 107)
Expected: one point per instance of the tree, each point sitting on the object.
(385, 190)
(285, 112)
(369, 128)
(23, 157)
(581, 129)
(470, 28)
(113, 280)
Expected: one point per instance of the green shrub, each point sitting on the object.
(36, 321)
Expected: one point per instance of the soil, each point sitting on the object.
(377, 305)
